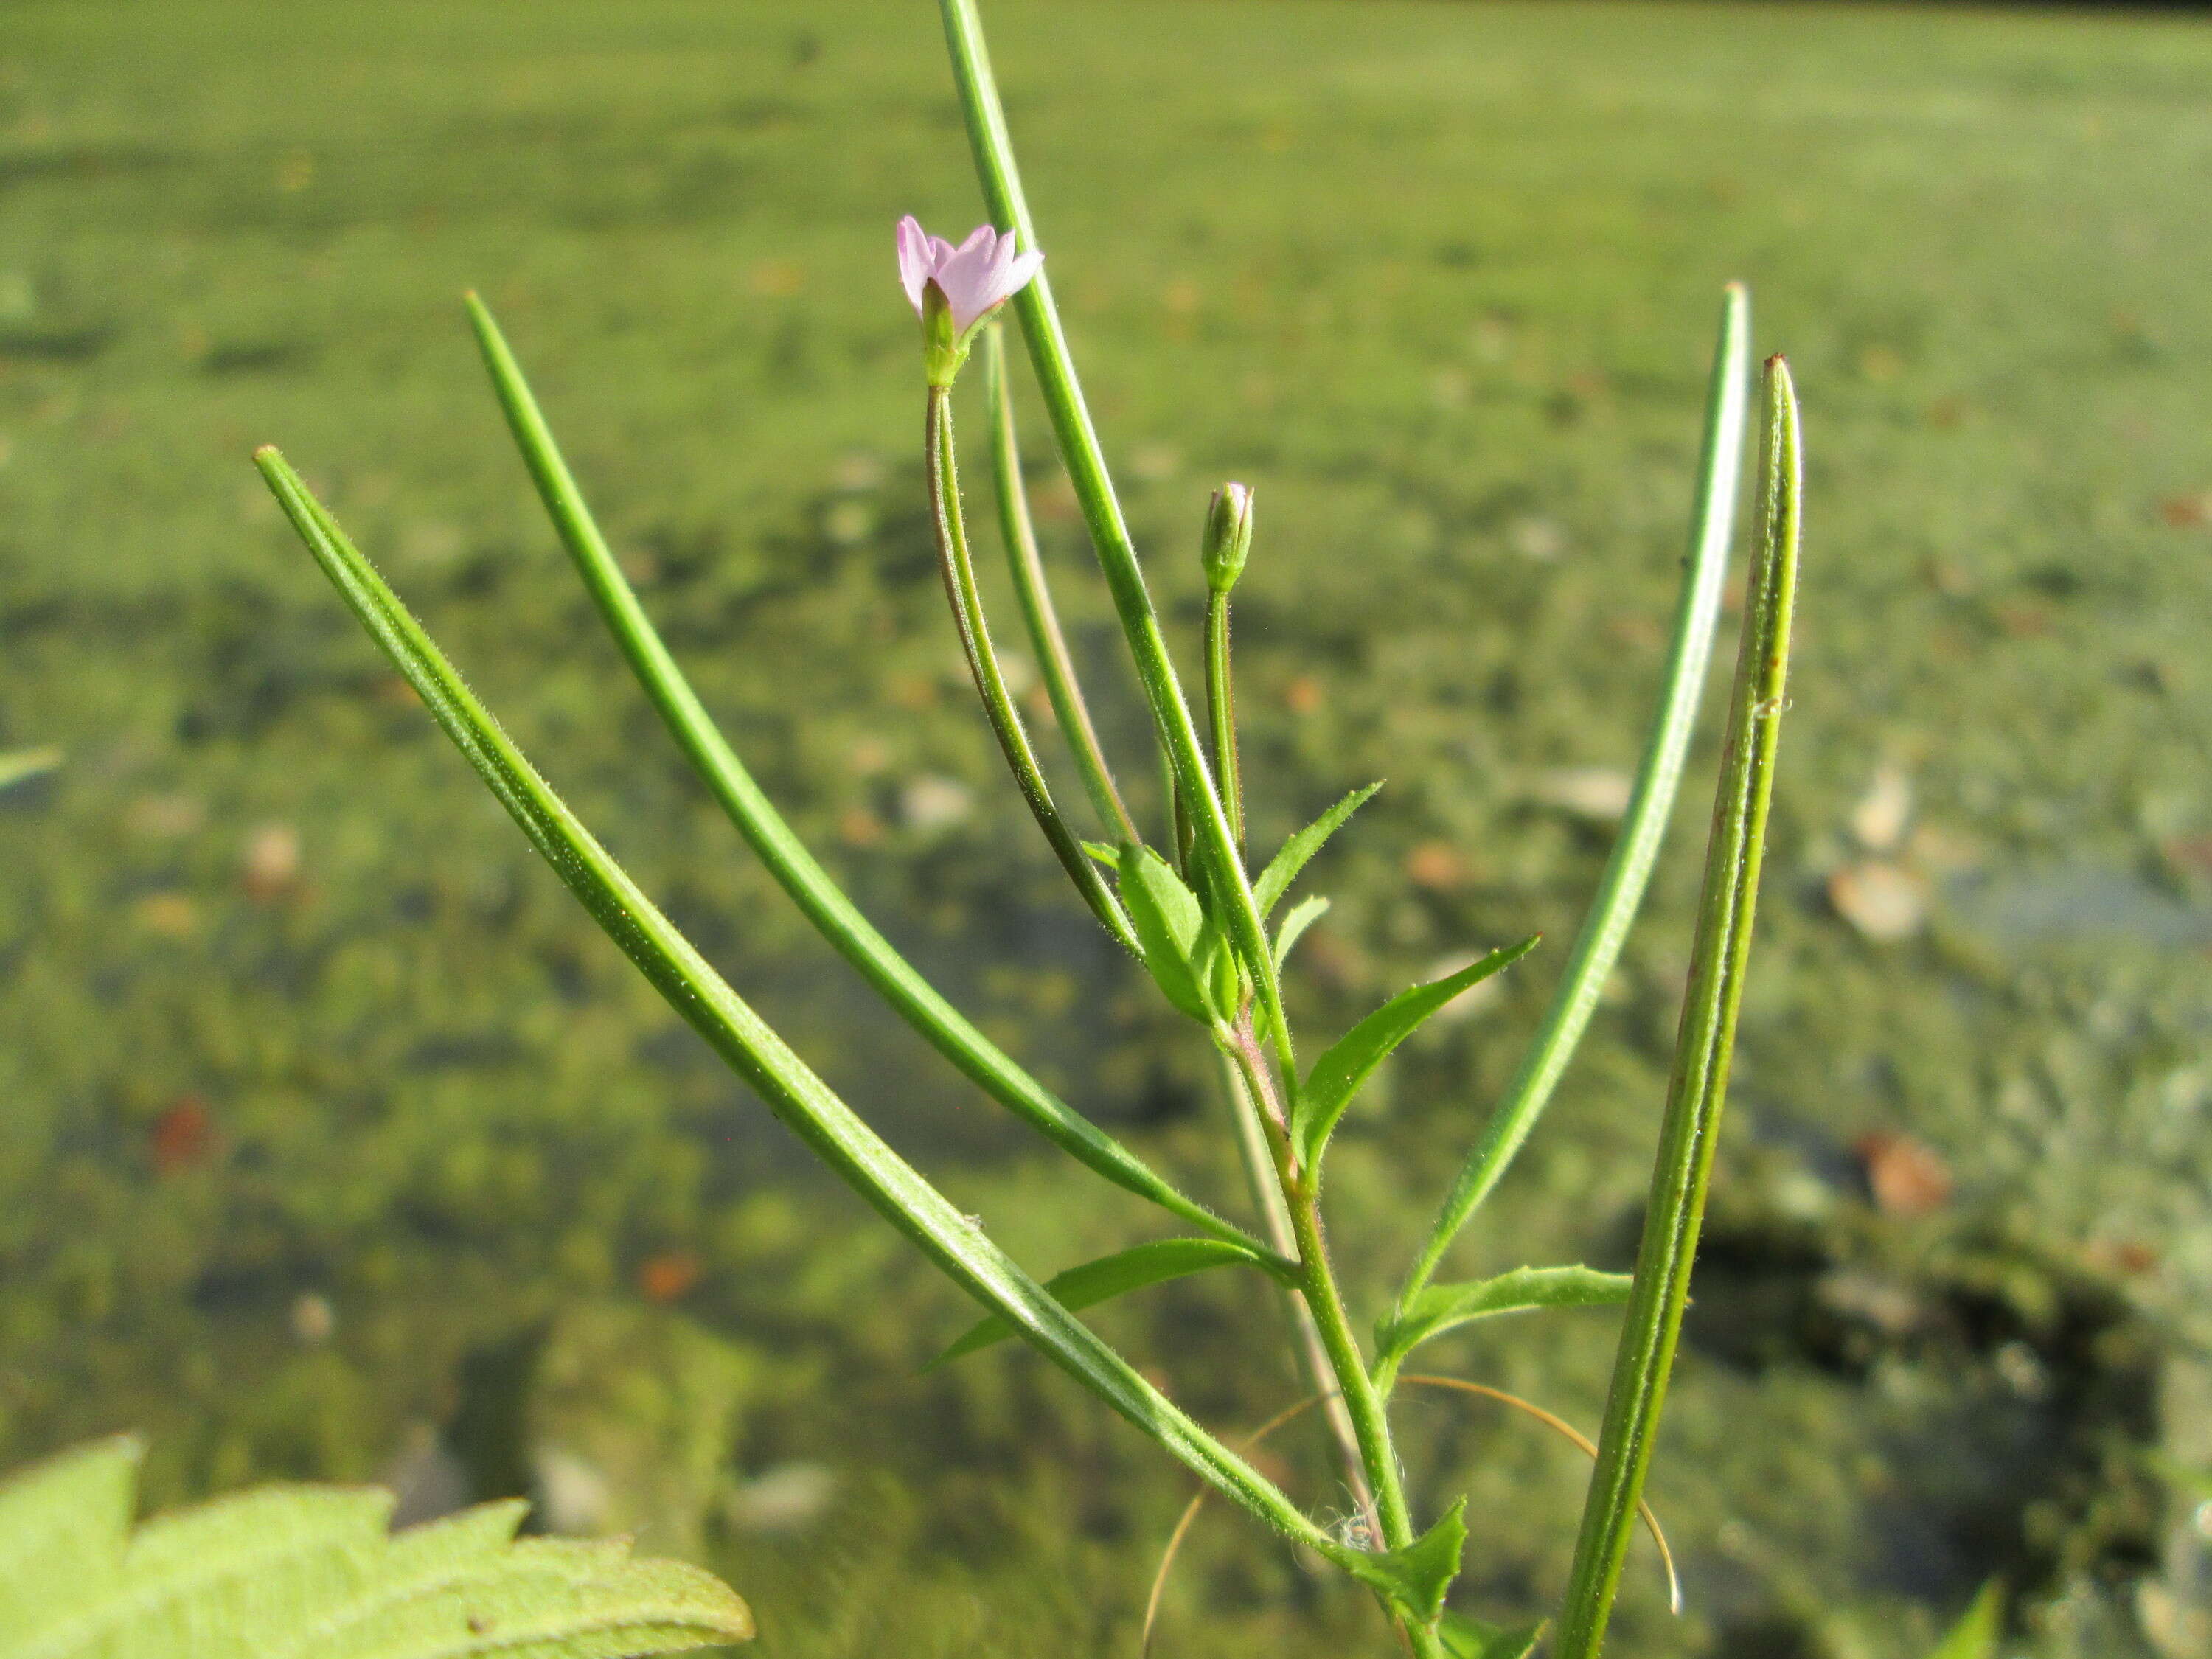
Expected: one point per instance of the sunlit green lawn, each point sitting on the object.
(284, 1144)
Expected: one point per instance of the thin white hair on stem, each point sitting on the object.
(1419, 1380)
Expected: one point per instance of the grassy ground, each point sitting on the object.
(286, 1147)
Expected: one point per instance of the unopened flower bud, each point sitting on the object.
(1228, 536)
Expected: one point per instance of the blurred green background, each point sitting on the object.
(339, 1144)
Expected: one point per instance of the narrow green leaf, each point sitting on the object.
(1975, 1636)
(1470, 1638)
(1295, 853)
(1643, 828)
(1218, 975)
(1306, 911)
(791, 1090)
(18, 764)
(1109, 856)
(1110, 1276)
(1168, 921)
(1719, 958)
(766, 832)
(2193, 1483)
(1441, 1308)
(1337, 1075)
(1422, 1570)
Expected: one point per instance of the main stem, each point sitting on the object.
(1260, 1170)
(1390, 1524)
(1110, 535)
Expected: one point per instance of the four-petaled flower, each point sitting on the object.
(977, 277)
(954, 290)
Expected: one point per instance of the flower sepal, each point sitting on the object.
(943, 349)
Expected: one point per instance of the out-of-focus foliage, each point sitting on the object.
(310, 1573)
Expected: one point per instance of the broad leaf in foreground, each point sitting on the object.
(1110, 1276)
(312, 1572)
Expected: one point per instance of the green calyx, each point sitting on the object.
(943, 350)
(1228, 536)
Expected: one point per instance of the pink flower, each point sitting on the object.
(976, 278)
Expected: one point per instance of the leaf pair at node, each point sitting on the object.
(1187, 954)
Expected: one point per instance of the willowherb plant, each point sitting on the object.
(1202, 920)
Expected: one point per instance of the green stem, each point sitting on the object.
(1706, 1043)
(769, 835)
(1658, 777)
(791, 1091)
(959, 573)
(1370, 1425)
(1117, 556)
(1365, 1406)
(1262, 1171)
(1221, 706)
(1027, 568)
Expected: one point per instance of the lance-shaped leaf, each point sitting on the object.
(799, 1098)
(20, 763)
(312, 1572)
(1470, 1638)
(1425, 1568)
(1306, 911)
(1975, 1636)
(1441, 1308)
(1297, 852)
(1169, 924)
(780, 850)
(1113, 1275)
(1337, 1075)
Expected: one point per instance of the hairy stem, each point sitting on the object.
(1213, 843)
(770, 835)
(1705, 1045)
(1258, 1162)
(1221, 708)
